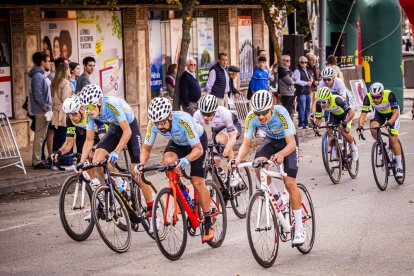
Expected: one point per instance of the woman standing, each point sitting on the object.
(74, 74)
(170, 79)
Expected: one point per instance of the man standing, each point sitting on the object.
(88, 67)
(190, 91)
(218, 83)
(39, 105)
(233, 73)
(303, 83)
(286, 82)
(315, 73)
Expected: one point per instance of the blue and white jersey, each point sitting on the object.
(184, 131)
(113, 111)
(279, 126)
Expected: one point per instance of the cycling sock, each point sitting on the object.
(352, 145)
(398, 159)
(273, 189)
(298, 219)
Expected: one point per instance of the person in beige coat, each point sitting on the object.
(60, 90)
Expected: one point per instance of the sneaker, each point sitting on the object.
(400, 173)
(55, 168)
(41, 166)
(300, 127)
(208, 234)
(305, 127)
(150, 228)
(355, 155)
(300, 236)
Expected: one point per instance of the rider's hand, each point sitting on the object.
(388, 125)
(226, 152)
(278, 158)
(359, 129)
(113, 157)
(344, 124)
(79, 167)
(56, 155)
(232, 165)
(139, 168)
(183, 162)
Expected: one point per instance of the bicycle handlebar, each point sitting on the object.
(162, 168)
(260, 165)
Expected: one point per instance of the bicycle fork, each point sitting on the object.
(75, 196)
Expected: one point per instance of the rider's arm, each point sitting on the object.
(196, 152)
(248, 136)
(231, 129)
(126, 135)
(318, 114)
(244, 150)
(345, 106)
(232, 139)
(290, 146)
(145, 153)
(67, 145)
(87, 147)
(365, 109)
(395, 108)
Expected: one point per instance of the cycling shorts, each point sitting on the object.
(271, 146)
(382, 118)
(337, 119)
(113, 135)
(197, 166)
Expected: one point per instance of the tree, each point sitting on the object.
(187, 8)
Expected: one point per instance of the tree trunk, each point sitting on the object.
(272, 30)
(187, 9)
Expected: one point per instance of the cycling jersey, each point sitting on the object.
(338, 87)
(71, 126)
(223, 119)
(279, 126)
(338, 107)
(184, 131)
(113, 111)
(388, 103)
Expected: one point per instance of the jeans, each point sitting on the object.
(304, 102)
(288, 103)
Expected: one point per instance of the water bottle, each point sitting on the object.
(121, 185)
(185, 190)
(280, 203)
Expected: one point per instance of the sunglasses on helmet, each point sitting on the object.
(261, 113)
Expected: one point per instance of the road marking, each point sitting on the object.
(17, 226)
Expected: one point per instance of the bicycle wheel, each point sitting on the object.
(324, 146)
(379, 165)
(400, 181)
(218, 214)
(142, 209)
(308, 220)
(241, 194)
(263, 237)
(334, 163)
(352, 166)
(170, 235)
(108, 216)
(72, 214)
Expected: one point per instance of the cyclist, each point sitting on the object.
(279, 145)
(340, 113)
(336, 85)
(187, 145)
(76, 119)
(123, 131)
(386, 111)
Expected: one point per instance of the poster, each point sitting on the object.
(60, 38)
(5, 80)
(359, 91)
(100, 36)
(205, 41)
(155, 54)
(245, 49)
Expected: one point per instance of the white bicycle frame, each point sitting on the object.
(264, 173)
(75, 197)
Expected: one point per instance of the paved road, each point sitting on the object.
(360, 231)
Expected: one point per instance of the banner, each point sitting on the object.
(359, 91)
(155, 54)
(176, 33)
(313, 18)
(60, 38)
(5, 80)
(205, 40)
(100, 36)
(245, 49)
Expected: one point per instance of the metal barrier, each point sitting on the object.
(240, 106)
(8, 145)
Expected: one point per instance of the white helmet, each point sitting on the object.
(90, 94)
(159, 109)
(376, 88)
(208, 104)
(72, 105)
(261, 100)
(328, 73)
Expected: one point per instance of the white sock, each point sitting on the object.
(298, 219)
(273, 189)
(398, 159)
(352, 145)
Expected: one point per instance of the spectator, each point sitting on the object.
(332, 62)
(274, 83)
(74, 75)
(303, 85)
(408, 45)
(233, 73)
(286, 85)
(190, 91)
(88, 67)
(170, 79)
(260, 78)
(315, 73)
(218, 83)
(39, 105)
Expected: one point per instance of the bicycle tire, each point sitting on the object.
(274, 237)
(141, 206)
(352, 166)
(307, 208)
(330, 170)
(323, 149)
(108, 217)
(160, 227)
(68, 225)
(382, 185)
(218, 217)
(400, 181)
(234, 195)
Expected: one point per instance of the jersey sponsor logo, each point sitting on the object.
(188, 128)
(114, 110)
(148, 136)
(70, 130)
(283, 119)
(248, 119)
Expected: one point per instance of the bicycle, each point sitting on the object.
(181, 216)
(382, 159)
(237, 193)
(343, 161)
(271, 225)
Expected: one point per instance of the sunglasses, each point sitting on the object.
(72, 114)
(192, 64)
(90, 107)
(377, 97)
(323, 102)
(211, 114)
(161, 123)
(287, 60)
(304, 62)
(261, 113)
(329, 79)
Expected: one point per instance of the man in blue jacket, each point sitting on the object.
(260, 78)
(39, 103)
